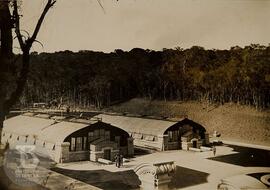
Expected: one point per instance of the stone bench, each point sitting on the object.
(204, 148)
(195, 149)
(125, 160)
(104, 161)
(155, 174)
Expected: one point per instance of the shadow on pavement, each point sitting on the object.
(185, 177)
(7, 184)
(247, 157)
(138, 151)
(104, 179)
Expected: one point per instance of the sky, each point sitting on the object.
(150, 24)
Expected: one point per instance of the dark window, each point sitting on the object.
(91, 136)
(84, 143)
(117, 140)
(170, 134)
(123, 141)
(78, 143)
(102, 132)
(173, 136)
(96, 133)
(72, 144)
(107, 135)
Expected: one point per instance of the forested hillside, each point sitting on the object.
(84, 78)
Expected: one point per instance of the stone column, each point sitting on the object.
(64, 152)
(160, 142)
(206, 140)
(164, 139)
(130, 146)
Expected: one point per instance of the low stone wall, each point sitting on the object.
(186, 145)
(78, 156)
(173, 145)
(99, 147)
(94, 156)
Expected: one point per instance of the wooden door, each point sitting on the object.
(107, 154)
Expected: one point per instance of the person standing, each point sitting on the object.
(116, 159)
(121, 160)
(214, 150)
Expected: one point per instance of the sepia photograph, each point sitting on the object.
(134, 94)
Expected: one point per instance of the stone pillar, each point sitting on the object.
(165, 141)
(199, 143)
(130, 146)
(93, 155)
(206, 140)
(160, 142)
(64, 152)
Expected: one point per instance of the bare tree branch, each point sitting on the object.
(100, 4)
(26, 33)
(16, 18)
(49, 4)
(39, 43)
(27, 44)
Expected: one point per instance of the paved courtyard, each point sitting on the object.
(195, 170)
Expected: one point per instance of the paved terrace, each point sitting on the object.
(195, 170)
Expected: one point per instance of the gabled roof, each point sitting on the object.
(147, 126)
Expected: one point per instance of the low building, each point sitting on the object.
(66, 139)
(160, 134)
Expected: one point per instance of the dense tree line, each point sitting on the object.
(84, 78)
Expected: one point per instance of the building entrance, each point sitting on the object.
(107, 154)
(194, 144)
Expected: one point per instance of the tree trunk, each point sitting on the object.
(2, 118)
(5, 27)
(5, 55)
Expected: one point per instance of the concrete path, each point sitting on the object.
(257, 146)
